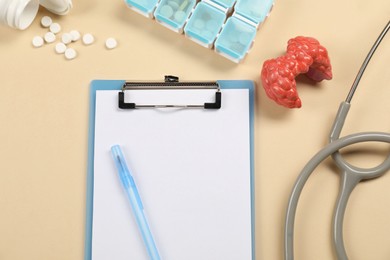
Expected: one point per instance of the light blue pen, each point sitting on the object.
(135, 201)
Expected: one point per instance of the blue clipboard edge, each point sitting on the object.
(117, 85)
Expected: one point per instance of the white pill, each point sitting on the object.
(88, 39)
(166, 11)
(75, 35)
(55, 28)
(46, 21)
(37, 41)
(70, 54)
(180, 16)
(111, 43)
(60, 48)
(66, 38)
(50, 37)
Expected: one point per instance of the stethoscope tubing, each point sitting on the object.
(350, 175)
(330, 149)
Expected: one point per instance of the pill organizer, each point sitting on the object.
(227, 26)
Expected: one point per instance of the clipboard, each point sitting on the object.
(203, 208)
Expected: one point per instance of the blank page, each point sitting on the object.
(192, 170)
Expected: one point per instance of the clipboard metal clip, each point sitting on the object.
(170, 83)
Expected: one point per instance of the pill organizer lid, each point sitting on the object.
(224, 3)
(142, 5)
(60, 7)
(255, 10)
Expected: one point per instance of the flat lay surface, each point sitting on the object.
(44, 108)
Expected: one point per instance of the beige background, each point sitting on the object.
(44, 123)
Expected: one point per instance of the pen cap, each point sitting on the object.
(18, 14)
(120, 163)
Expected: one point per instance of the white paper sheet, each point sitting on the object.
(192, 169)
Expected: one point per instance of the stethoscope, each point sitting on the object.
(350, 174)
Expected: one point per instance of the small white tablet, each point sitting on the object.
(37, 41)
(50, 37)
(70, 54)
(55, 28)
(75, 35)
(60, 48)
(88, 39)
(111, 43)
(46, 21)
(66, 38)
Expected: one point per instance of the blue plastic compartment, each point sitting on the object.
(146, 7)
(254, 10)
(235, 39)
(228, 4)
(205, 23)
(174, 13)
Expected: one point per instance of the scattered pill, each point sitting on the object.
(50, 37)
(55, 28)
(111, 43)
(88, 39)
(75, 35)
(180, 16)
(46, 21)
(37, 41)
(66, 38)
(70, 54)
(60, 48)
(72, 36)
(166, 11)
